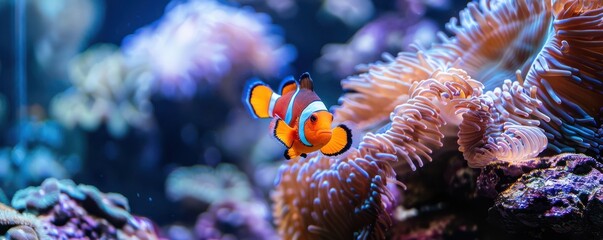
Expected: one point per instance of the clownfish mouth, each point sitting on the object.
(321, 132)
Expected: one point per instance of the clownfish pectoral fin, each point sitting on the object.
(284, 133)
(259, 98)
(288, 85)
(305, 82)
(290, 153)
(341, 141)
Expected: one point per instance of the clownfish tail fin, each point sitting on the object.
(259, 98)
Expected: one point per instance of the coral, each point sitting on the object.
(82, 211)
(43, 149)
(351, 12)
(561, 201)
(205, 185)
(21, 166)
(203, 44)
(235, 220)
(105, 90)
(14, 225)
(59, 29)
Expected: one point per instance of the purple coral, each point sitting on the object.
(81, 211)
(563, 200)
(235, 220)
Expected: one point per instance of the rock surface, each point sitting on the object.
(562, 198)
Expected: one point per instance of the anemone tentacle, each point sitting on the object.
(568, 74)
(400, 107)
(415, 125)
(323, 198)
(501, 125)
(491, 41)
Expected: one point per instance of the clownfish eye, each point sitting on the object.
(313, 118)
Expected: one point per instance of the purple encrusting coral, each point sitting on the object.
(235, 220)
(70, 211)
(563, 200)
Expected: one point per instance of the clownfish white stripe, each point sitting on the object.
(306, 113)
(273, 98)
(289, 113)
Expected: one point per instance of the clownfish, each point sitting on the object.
(302, 121)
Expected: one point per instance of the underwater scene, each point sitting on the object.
(301, 119)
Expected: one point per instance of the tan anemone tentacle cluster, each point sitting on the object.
(415, 124)
(500, 125)
(385, 86)
(324, 198)
(568, 74)
(491, 41)
(400, 107)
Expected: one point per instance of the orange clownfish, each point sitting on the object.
(303, 123)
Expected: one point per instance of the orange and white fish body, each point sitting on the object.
(303, 123)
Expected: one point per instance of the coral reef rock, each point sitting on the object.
(14, 225)
(563, 200)
(235, 220)
(70, 211)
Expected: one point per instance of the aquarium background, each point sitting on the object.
(204, 128)
(143, 98)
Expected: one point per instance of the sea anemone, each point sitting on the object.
(400, 107)
(105, 90)
(324, 198)
(206, 43)
(568, 74)
(499, 125)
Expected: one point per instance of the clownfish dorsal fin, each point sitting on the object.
(305, 82)
(341, 141)
(288, 85)
(284, 133)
